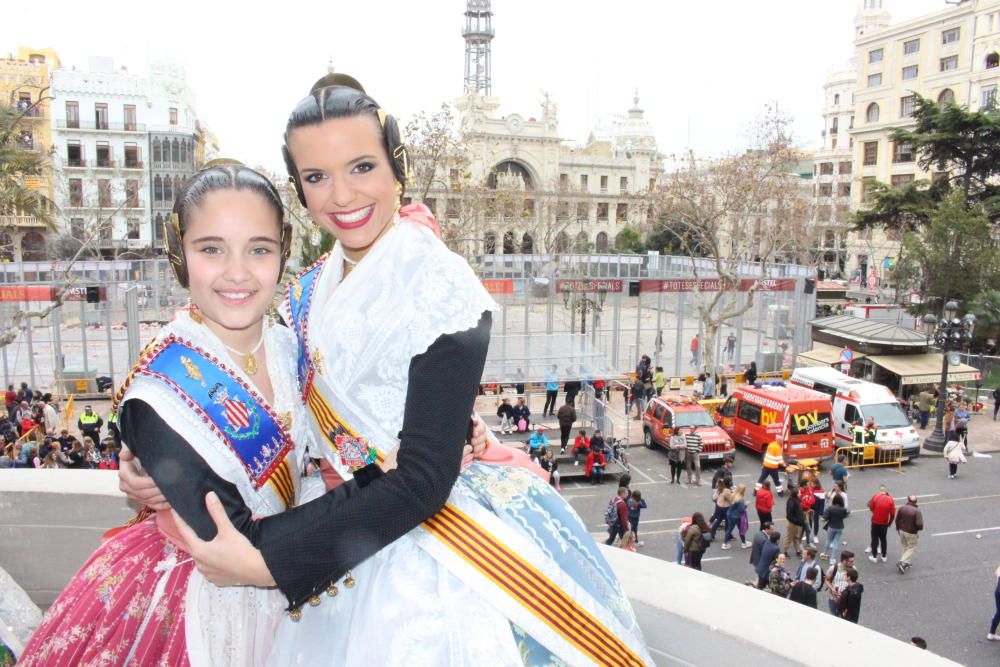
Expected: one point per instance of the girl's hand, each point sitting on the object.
(138, 486)
(229, 559)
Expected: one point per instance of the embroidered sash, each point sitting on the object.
(352, 449)
(230, 407)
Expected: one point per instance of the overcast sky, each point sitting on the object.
(704, 70)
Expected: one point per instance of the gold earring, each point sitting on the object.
(399, 196)
(194, 313)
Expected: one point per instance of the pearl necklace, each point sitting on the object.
(249, 361)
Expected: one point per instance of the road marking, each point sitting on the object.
(639, 470)
(706, 560)
(929, 495)
(962, 532)
(584, 495)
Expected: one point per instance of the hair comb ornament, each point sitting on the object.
(222, 160)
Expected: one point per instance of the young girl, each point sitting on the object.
(211, 406)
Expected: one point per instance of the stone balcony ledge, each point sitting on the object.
(688, 617)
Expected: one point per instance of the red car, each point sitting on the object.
(664, 414)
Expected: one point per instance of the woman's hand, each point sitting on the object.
(478, 441)
(229, 559)
(138, 486)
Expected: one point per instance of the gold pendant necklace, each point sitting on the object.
(249, 360)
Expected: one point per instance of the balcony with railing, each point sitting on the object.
(131, 164)
(28, 110)
(64, 124)
(11, 221)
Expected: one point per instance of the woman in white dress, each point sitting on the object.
(427, 563)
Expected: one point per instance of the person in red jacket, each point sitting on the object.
(883, 509)
(581, 448)
(596, 463)
(764, 503)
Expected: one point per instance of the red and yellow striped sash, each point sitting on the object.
(532, 589)
(329, 421)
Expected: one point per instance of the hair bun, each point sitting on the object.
(337, 79)
(222, 160)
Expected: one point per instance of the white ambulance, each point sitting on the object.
(855, 399)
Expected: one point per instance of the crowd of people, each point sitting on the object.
(31, 435)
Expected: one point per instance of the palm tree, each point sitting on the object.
(19, 165)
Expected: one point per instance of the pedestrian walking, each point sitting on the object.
(566, 416)
(659, 380)
(764, 503)
(551, 391)
(709, 387)
(924, 402)
(962, 417)
(759, 540)
(722, 496)
(996, 403)
(679, 539)
(992, 634)
(731, 346)
(768, 553)
(773, 461)
(909, 523)
(572, 388)
(676, 456)
(696, 540)
(635, 506)
(693, 445)
(695, 350)
(795, 523)
(834, 516)
(839, 471)
(954, 456)
(883, 512)
(819, 506)
(736, 518)
(638, 397)
(616, 516)
(750, 374)
(836, 580)
(849, 605)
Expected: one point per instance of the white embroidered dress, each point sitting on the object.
(416, 602)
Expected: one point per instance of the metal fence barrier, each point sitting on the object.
(871, 455)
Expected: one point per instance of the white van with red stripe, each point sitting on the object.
(855, 399)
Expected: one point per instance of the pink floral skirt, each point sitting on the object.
(124, 607)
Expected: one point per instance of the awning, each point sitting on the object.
(924, 368)
(823, 355)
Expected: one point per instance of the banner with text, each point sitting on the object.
(715, 284)
(589, 285)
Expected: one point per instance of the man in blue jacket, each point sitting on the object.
(768, 553)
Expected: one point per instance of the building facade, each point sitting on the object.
(833, 175)
(949, 55)
(523, 188)
(122, 146)
(25, 87)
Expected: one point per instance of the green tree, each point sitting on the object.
(629, 241)
(986, 307)
(20, 163)
(962, 143)
(954, 257)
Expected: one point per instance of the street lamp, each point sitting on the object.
(950, 334)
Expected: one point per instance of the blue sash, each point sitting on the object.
(231, 408)
(300, 294)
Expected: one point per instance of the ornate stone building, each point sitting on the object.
(531, 190)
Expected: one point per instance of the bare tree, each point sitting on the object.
(735, 218)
